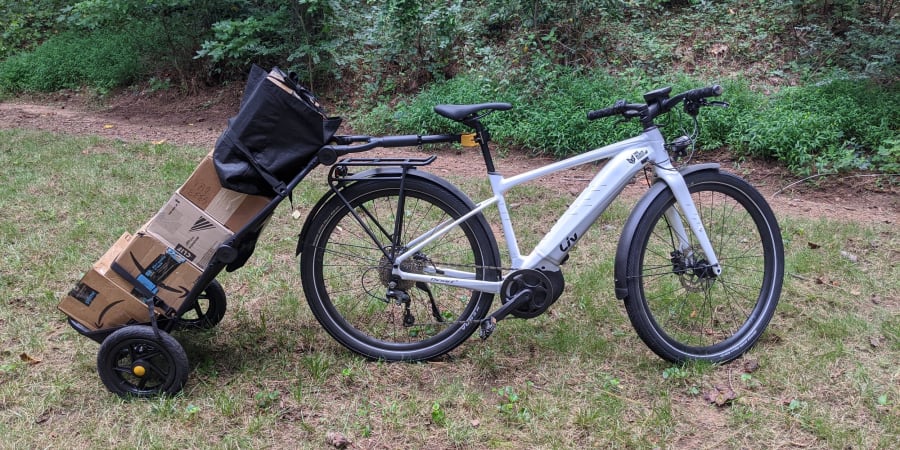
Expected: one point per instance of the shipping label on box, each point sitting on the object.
(188, 230)
(159, 269)
(98, 303)
(230, 208)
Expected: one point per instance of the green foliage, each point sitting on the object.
(102, 60)
(299, 36)
(512, 405)
(832, 126)
(25, 25)
(547, 120)
(553, 59)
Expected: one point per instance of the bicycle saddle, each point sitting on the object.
(460, 112)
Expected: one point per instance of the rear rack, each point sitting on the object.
(404, 162)
(341, 172)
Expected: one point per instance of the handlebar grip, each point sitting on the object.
(711, 91)
(614, 110)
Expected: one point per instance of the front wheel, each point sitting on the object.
(347, 261)
(679, 307)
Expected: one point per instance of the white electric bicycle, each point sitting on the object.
(398, 264)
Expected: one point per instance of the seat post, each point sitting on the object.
(482, 136)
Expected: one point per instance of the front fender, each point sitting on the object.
(621, 285)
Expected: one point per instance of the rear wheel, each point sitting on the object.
(680, 308)
(348, 279)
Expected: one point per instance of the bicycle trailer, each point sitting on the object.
(162, 277)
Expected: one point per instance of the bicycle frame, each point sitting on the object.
(626, 159)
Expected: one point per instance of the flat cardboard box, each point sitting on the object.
(188, 230)
(159, 269)
(98, 303)
(230, 208)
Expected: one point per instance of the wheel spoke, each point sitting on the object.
(348, 277)
(677, 305)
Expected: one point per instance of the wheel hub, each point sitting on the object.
(138, 370)
(696, 274)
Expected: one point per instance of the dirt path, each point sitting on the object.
(198, 121)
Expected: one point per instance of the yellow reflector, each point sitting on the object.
(139, 371)
(468, 140)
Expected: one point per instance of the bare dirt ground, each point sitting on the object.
(198, 120)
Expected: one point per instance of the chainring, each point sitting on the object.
(546, 287)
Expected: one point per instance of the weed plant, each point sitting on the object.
(836, 125)
(824, 375)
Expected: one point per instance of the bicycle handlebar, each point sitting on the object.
(658, 103)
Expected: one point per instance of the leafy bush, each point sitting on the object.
(26, 24)
(550, 120)
(832, 126)
(102, 59)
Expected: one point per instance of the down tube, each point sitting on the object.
(584, 211)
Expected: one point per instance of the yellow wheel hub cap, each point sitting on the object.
(139, 371)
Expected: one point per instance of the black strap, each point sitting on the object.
(277, 185)
(138, 286)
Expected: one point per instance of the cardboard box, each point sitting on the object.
(230, 208)
(188, 230)
(158, 268)
(98, 303)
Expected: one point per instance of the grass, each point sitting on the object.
(577, 376)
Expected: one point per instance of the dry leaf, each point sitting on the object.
(813, 245)
(475, 423)
(107, 126)
(720, 395)
(28, 359)
(751, 365)
(336, 439)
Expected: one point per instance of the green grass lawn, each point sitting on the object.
(825, 375)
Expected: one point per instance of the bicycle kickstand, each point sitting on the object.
(489, 323)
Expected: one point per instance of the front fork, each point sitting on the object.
(688, 212)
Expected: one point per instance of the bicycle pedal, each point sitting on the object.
(487, 328)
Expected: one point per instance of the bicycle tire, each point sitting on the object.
(138, 361)
(346, 274)
(681, 310)
(208, 311)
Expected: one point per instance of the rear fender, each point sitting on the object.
(396, 172)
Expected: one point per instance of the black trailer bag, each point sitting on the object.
(275, 134)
